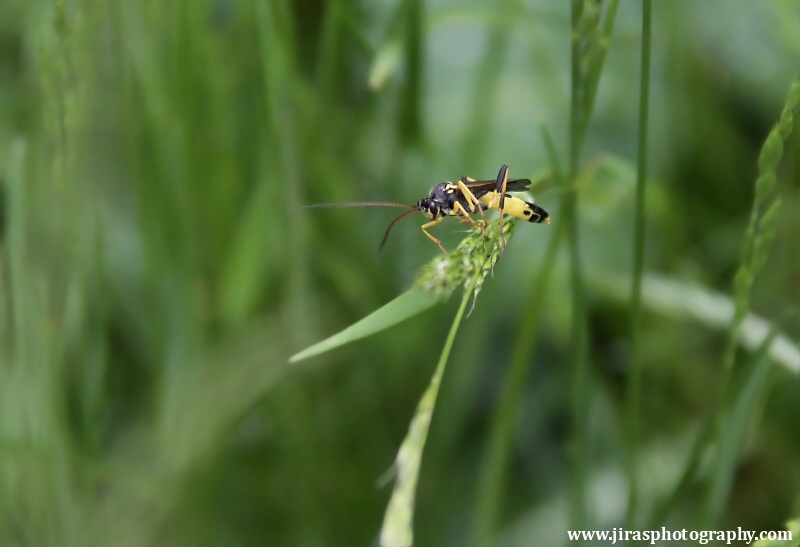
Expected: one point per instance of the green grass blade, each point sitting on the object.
(486, 89)
(634, 386)
(405, 306)
(584, 19)
(587, 54)
(733, 428)
(411, 119)
(594, 59)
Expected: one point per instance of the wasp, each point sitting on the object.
(463, 199)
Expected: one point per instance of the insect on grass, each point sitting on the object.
(463, 199)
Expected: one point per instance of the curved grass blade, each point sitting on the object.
(405, 306)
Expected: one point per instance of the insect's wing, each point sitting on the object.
(483, 186)
(517, 185)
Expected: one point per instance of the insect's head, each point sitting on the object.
(430, 207)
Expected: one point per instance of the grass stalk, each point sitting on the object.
(487, 86)
(578, 357)
(760, 232)
(465, 268)
(760, 225)
(397, 529)
(588, 52)
(634, 386)
(410, 122)
(758, 237)
(587, 56)
(594, 59)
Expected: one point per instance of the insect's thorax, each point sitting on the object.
(441, 200)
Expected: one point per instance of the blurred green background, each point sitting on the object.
(156, 272)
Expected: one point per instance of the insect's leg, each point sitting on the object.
(500, 185)
(473, 201)
(461, 184)
(460, 211)
(430, 225)
(500, 188)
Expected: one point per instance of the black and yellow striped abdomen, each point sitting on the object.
(516, 207)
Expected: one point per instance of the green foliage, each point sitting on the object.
(405, 306)
(156, 271)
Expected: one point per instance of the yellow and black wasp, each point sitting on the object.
(462, 199)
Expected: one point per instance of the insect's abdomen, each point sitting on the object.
(517, 207)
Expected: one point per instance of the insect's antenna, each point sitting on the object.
(360, 204)
(395, 221)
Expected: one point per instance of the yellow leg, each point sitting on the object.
(459, 210)
(473, 202)
(430, 225)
